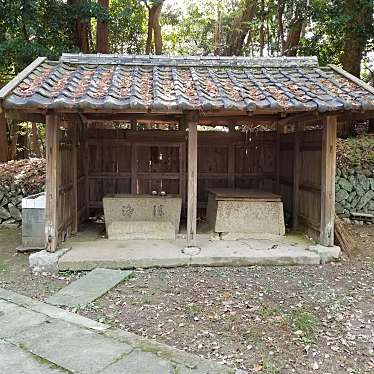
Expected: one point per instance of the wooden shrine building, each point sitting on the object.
(118, 124)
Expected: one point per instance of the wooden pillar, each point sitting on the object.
(182, 175)
(296, 178)
(134, 169)
(3, 139)
(52, 181)
(231, 165)
(192, 183)
(75, 177)
(277, 158)
(86, 162)
(328, 181)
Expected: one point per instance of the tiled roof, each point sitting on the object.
(163, 83)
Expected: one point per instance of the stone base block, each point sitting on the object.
(247, 217)
(142, 208)
(45, 261)
(326, 253)
(141, 230)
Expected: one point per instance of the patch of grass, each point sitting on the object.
(270, 367)
(3, 267)
(304, 321)
(194, 308)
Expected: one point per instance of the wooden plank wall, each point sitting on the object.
(310, 177)
(225, 159)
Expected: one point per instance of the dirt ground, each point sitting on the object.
(298, 319)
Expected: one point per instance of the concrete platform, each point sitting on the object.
(130, 254)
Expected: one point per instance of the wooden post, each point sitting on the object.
(231, 165)
(192, 183)
(182, 174)
(296, 178)
(75, 177)
(52, 181)
(3, 139)
(328, 181)
(134, 169)
(86, 166)
(277, 158)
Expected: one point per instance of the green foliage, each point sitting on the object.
(127, 26)
(330, 22)
(304, 321)
(31, 28)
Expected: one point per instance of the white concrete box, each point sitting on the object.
(142, 208)
(33, 221)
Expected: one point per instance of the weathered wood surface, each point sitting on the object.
(192, 183)
(53, 182)
(344, 238)
(309, 191)
(119, 162)
(225, 160)
(328, 181)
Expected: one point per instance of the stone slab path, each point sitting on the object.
(37, 338)
(89, 287)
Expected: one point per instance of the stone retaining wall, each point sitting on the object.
(354, 191)
(10, 205)
(19, 179)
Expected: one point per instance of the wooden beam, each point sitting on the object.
(296, 178)
(20, 115)
(75, 177)
(328, 181)
(352, 78)
(52, 181)
(298, 117)
(192, 182)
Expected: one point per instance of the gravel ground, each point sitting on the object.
(299, 319)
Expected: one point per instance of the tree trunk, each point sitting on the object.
(154, 35)
(3, 139)
(292, 42)
(102, 33)
(356, 37)
(21, 145)
(35, 147)
(80, 30)
(281, 5)
(148, 44)
(157, 29)
(240, 29)
(262, 36)
(13, 135)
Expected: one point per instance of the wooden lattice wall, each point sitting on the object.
(119, 162)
